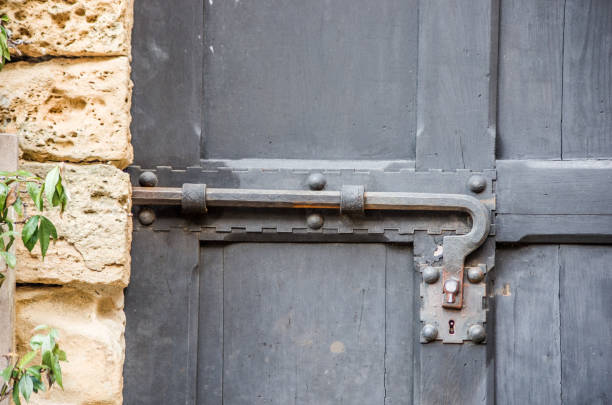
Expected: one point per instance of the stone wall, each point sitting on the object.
(69, 102)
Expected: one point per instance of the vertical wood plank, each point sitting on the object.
(456, 104)
(586, 324)
(9, 154)
(587, 80)
(530, 79)
(210, 348)
(167, 43)
(304, 324)
(527, 340)
(401, 318)
(160, 304)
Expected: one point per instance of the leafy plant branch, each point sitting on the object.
(22, 379)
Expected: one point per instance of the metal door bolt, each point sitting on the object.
(430, 275)
(315, 221)
(147, 179)
(316, 181)
(477, 333)
(430, 332)
(477, 183)
(475, 274)
(146, 216)
(451, 288)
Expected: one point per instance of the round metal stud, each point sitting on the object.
(315, 221)
(477, 333)
(146, 216)
(429, 332)
(475, 274)
(430, 275)
(477, 183)
(147, 179)
(316, 181)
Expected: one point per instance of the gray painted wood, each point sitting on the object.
(527, 324)
(457, 84)
(167, 42)
(311, 79)
(304, 324)
(401, 330)
(210, 340)
(9, 154)
(530, 79)
(160, 304)
(553, 228)
(586, 324)
(554, 187)
(587, 80)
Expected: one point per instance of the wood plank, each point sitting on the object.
(554, 187)
(167, 43)
(401, 330)
(456, 105)
(553, 228)
(527, 339)
(160, 304)
(587, 80)
(586, 324)
(210, 340)
(310, 79)
(304, 324)
(9, 153)
(530, 79)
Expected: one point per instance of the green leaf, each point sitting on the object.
(34, 191)
(28, 233)
(37, 341)
(34, 371)
(46, 230)
(4, 18)
(41, 327)
(6, 373)
(4, 190)
(9, 258)
(16, 395)
(26, 387)
(57, 372)
(27, 358)
(61, 355)
(18, 206)
(51, 182)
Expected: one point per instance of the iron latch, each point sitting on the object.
(448, 293)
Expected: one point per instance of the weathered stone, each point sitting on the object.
(69, 110)
(95, 230)
(91, 325)
(71, 27)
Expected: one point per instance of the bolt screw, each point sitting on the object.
(316, 181)
(477, 183)
(146, 216)
(147, 179)
(475, 274)
(430, 275)
(429, 332)
(477, 333)
(315, 221)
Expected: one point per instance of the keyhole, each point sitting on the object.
(451, 327)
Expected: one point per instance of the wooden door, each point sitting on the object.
(505, 101)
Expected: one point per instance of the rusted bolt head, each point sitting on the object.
(477, 183)
(477, 333)
(147, 179)
(475, 274)
(146, 216)
(429, 332)
(430, 275)
(316, 181)
(315, 221)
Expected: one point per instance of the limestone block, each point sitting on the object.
(91, 326)
(75, 110)
(95, 230)
(71, 27)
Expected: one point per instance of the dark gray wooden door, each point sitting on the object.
(253, 306)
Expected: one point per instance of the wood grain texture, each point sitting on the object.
(304, 324)
(586, 324)
(530, 79)
(9, 153)
(554, 187)
(457, 84)
(167, 43)
(160, 303)
(402, 325)
(587, 80)
(310, 79)
(527, 327)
